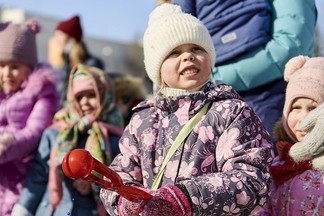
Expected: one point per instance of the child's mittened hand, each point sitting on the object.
(318, 162)
(129, 208)
(167, 200)
(312, 145)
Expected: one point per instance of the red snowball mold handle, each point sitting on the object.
(79, 164)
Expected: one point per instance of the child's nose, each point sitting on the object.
(188, 56)
(84, 100)
(303, 115)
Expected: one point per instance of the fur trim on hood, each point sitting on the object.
(41, 77)
(279, 132)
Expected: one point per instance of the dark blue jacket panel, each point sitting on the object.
(236, 26)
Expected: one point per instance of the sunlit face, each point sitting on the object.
(299, 109)
(61, 37)
(87, 101)
(12, 76)
(186, 67)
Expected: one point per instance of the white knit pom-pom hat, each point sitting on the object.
(168, 28)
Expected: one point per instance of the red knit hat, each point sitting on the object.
(71, 27)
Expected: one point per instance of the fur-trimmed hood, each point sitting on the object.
(42, 76)
(279, 132)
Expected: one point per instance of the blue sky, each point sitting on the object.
(117, 20)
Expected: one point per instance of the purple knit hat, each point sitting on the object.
(18, 42)
(305, 77)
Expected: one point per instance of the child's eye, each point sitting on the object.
(85, 95)
(311, 108)
(173, 53)
(197, 48)
(14, 66)
(91, 95)
(295, 107)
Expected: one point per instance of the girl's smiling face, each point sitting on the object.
(186, 67)
(87, 102)
(299, 109)
(12, 76)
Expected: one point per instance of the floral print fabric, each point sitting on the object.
(223, 164)
(301, 195)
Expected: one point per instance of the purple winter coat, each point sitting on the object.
(24, 115)
(301, 195)
(223, 164)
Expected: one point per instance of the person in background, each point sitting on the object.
(257, 73)
(129, 90)
(28, 101)
(163, 1)
(88, 122)
(221, 166)
(66, 48)
(320, 28)
(298, 170)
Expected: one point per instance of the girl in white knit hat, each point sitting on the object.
(220, 165)
(298, 171)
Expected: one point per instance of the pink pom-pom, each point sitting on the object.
(34, 25)
(293, 65)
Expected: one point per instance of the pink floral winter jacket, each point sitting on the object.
(303, 194)
(223, 164)
(23, 117)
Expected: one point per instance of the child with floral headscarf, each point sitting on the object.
(90, 121)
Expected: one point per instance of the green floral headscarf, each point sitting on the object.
(70, 121)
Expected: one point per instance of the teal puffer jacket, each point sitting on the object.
(293, 33)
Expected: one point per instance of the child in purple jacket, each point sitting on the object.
(298, 171)
(221, 167)
(28, 101)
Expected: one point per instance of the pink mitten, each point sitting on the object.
(167, 200)
(128, 208)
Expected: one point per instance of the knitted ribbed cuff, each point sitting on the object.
(177, 198)
(318, 162)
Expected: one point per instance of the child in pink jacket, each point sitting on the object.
(28, 101)
(298, 171)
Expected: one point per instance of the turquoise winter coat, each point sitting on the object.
(292, 34)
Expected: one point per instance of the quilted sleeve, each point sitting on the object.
(293, 33)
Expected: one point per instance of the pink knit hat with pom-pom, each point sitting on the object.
(305, 77)
(18, 42)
